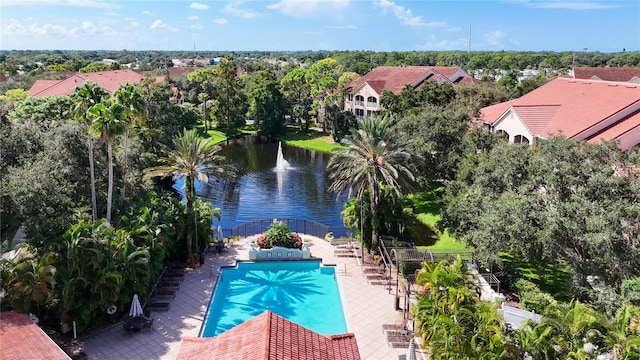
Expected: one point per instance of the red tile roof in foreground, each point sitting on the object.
(394, 78)
(270, 337)
(108, 80)
(567, 106)
(22, 339)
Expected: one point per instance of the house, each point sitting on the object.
(108, 80)
(269, 336)
(21, 339)
(623, 74)
(363, 98)
(590, 110)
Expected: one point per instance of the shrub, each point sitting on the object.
(531, 297)
(279, 234)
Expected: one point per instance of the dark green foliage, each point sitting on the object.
(531, 297)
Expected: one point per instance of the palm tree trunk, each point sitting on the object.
(94, 202)
(110, 189)
(124, 164)
(374, 198)
(189, 194)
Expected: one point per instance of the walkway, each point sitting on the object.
(366, 306)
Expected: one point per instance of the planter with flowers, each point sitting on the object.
(278, 236)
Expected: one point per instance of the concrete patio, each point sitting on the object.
(366, 307)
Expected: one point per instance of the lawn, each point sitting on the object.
(312, 141)
(427, 207)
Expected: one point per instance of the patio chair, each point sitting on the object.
(147, 326)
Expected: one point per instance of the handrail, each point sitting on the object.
(301, 226)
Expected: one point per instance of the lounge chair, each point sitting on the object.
(398, 326)
(399, 341)
(157, 306)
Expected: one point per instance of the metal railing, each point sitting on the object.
(301, 226)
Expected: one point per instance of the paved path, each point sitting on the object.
(366, 307)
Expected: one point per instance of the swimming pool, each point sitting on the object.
(304, 292)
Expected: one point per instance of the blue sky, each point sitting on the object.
(381, 25)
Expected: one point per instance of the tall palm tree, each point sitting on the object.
(373, 157)
(134, 108)
(194, 158)
(85, 97)
(108, 123)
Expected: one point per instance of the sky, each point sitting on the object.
(298, 25)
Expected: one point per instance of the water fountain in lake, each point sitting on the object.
(261, 191)
(281, 163)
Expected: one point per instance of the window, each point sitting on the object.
(503, 134)
(359, 112)
(372, 99)
(350, 97)
(520, 139)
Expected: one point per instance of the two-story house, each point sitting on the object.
(590, 110)
(363, 97)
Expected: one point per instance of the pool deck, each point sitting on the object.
(367, 307)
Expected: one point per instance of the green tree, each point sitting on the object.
(108, 123)
(297, 95)
(231, 105)
(323, 78)
(193, 158)
(266, 103)
(207, 79)
(373, 156)
(13, 95)
(82, 100)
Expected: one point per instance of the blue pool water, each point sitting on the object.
(304, 292)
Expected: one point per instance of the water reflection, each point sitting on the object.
(263, 193)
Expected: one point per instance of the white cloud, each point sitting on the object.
(75, 3)
(221, 21)
(134, 24)
(406, 15)
(199, 6)
(308, 7)
(194, 17)
(495, 38)
(158, 24)
(233, 8)
(345, 27)
(147, 12)
(195, 26)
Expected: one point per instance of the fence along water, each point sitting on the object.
(301, 226)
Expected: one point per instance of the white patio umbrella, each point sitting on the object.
(411, 352)
(220, 236)
(136, 308)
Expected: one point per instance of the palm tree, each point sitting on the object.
(85, 97)
(373, 157)
(194, 158)
(108, 124)
(134, 108)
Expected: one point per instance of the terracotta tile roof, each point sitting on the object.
(22, 339)
(108, 80)
(618, 129)
(270, 337)
(568, 106)
(176, 72)
(41, 85)
(624, 74)
(394, 78)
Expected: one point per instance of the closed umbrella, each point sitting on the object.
(411, 352)
(136, 308)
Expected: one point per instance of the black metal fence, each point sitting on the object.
(308, 227)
